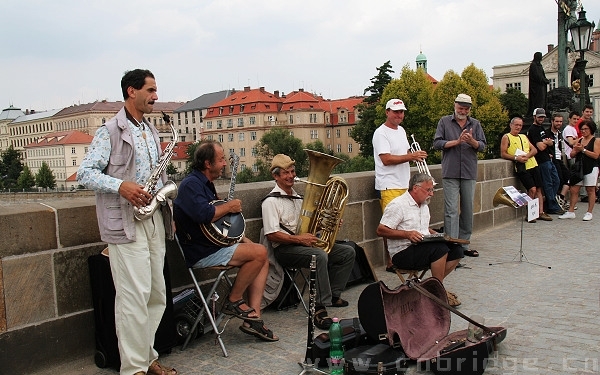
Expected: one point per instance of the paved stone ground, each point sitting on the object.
(552, 315)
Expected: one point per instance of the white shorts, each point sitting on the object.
(590, 179)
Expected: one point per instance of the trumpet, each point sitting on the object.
(421, 164)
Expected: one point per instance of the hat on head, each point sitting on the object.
(539, 112)
(395, 105)
(281, 161)
(464, 99)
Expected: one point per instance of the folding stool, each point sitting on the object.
(212, 296)
(292, 274)
(411, 274)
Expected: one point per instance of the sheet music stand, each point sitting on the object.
(512, 198)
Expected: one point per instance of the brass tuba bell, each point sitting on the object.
(502, 198)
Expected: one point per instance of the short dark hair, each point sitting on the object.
(588, 106)
(591, 124)
(134, 78)
(204, 152)
(574, 113)
(555, 115)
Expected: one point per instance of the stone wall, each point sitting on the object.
(46, 311)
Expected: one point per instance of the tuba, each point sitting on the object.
(324, 200)
(169, 190)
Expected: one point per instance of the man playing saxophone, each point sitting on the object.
(121, 158)
(280, 212)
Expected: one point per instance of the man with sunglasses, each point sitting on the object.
(405, 222)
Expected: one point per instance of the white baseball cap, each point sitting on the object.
(395, 105)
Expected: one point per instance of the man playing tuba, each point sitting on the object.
(280, 212)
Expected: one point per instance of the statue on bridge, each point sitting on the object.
(538, 84)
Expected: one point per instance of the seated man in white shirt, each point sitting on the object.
(405, 221)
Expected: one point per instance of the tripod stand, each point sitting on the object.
(521, 255)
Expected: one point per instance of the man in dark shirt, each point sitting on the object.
(551, 183)
(191, 209)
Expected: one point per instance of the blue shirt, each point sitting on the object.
(192, 208)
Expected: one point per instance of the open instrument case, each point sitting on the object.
(416, 318)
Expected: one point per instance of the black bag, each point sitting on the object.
(576, 171)
(375, 359)
(362, 272)
(286, 301)
(520, 167)
(103, 296)
(353, 335)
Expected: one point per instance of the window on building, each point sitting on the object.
(74, 162)
(240, 122)
(328, 131)
(209, 137)
(253, 136)
(349, 132)
(242, 151)
(349, 148)
(254, 168)
(314, 134)
(230, 137)
(242, 167)
(291, 119)
(231, 151)
(338, 133)
(329, 147)
(72, 150)
(313, 118)
(241, 136)
(590, 81)
(221, 138)
(252, 120)
(208, 124)
(339, 148)
(230, 123)
(552, 84)
(253, 151)
(219, 124)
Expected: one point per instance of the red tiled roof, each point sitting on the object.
(179, 151)
(300, 100)
(431, 79)
(254, 101)
(113, 107)
(71, 137)
(72, 178)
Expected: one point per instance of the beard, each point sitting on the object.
(460, 117)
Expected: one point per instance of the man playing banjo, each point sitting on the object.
(192, 209)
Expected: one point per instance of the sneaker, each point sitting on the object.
(561, 201)
(567, 215)
(544, 216)
(587, 216)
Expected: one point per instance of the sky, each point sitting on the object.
(54, 54)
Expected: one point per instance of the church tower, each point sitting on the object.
(422, 61)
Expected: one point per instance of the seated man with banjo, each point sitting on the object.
(211, 233)
(405, 223)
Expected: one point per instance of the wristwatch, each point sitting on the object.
(584, 150)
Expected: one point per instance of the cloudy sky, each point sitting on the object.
(58, 53)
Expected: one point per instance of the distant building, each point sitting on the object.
(516, 75)
(7, 116)
(62, 151)
(188, 117)
(241, 119)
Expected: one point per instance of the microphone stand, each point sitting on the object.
(308, 367)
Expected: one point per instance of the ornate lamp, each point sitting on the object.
(581, 34)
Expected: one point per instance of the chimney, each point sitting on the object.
(246, 88)
(300, 90)
(550, 47)
(276, 93)
(26, 111)
(262, 89)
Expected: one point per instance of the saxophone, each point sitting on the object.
(169, 189)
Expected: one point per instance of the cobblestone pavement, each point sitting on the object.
(552, 315)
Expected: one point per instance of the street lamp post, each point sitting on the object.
(581, 34)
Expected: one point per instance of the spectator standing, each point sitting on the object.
(570, 135)
(542, 141)
(559, 159)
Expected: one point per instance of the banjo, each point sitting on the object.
(228, 229)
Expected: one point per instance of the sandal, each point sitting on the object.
(233, 308)
(453, 299)
(338, 302)
(321, 320)
(157, 369)
(257, 328)
(471, 253)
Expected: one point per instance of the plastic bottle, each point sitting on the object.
(336, 350)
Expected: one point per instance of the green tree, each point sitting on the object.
(358, 163)
(10, 167)
(45, 178)
(190, 153)
(363, 131)
(280, 141)
(171, 170)
(514, 102)
(26, 179)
